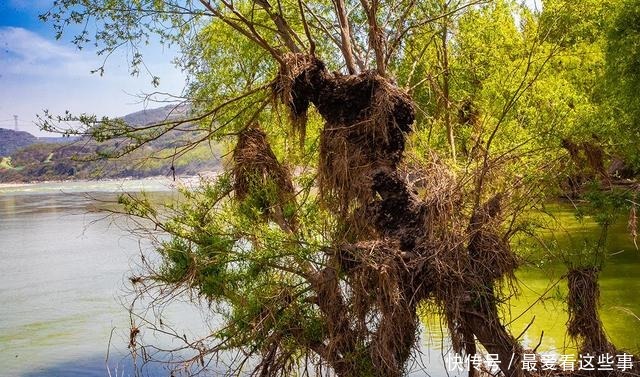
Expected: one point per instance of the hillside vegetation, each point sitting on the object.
(26, 158)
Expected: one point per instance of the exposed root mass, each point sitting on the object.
(584, 322)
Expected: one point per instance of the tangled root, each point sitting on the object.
(491, 254)
(359, 139)
(584, 322)
(295, 86)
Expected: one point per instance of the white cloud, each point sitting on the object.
(24, 52)
(37, 74)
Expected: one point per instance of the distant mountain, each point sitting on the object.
(26, 158)
(57, 140)
(149, 116)
(11, 141)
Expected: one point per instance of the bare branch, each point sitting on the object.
(283, 29)
(345, 36)
(397, 39)
(312, 43)
(376, 36)
(251, 33)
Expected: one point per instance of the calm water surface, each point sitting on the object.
(63, 286)
(619, 284)
(63, 275)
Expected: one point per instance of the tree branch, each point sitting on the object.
(251, 33)
(345, 36)
(376, 37)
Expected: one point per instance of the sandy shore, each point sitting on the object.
(184, 181)
(11, 185)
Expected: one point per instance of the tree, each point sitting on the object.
(621, 54)
(319, 252)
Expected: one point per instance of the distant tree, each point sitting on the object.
(623, 75)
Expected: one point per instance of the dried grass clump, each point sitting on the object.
(588, 158)
(443, 219)
(491, 254)
(257, 168)
(584, 322)
(595, 156)
(383, 308)
(376, 269)
(344, 175)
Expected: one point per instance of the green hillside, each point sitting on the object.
(26, 158)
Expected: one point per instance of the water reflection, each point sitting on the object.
(619, 287)
(540, 306)
(97, 366)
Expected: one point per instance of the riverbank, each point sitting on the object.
(75, 187)
(109, 183)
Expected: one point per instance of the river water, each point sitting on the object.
(64, 286)
(63, 275)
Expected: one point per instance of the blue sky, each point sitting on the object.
(38, 72)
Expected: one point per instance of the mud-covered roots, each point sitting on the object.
(296, 84)
(584, 322)
(491, 254)
(260, 177)
(397, 212)
(367, 119)
(360, 140)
